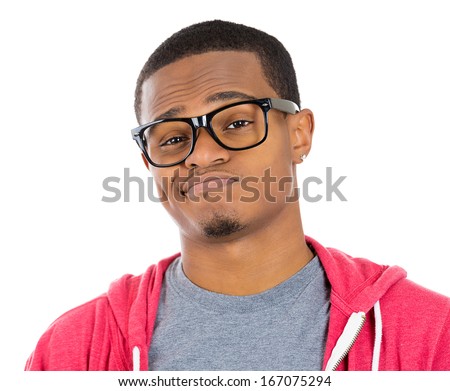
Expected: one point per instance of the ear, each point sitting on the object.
(301, 126)
(147, 164)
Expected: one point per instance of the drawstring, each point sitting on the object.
(378, 336)
(136, 359)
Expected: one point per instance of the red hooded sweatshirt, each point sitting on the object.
(379, 320)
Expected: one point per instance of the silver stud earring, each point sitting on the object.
(302, 157)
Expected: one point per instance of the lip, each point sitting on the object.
(197, 185)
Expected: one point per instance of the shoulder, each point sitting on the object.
(93, 335)
(69, 339)
(416, 307)
(416, 323)
(406, 294)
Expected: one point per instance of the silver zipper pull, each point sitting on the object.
(346, 340)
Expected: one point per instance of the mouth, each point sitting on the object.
(199, 185)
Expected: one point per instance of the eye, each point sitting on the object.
(238, 124)
(174, 141)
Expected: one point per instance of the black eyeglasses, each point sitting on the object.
(236, 127)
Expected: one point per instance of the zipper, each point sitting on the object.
(347, 339)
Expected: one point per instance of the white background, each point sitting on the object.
(376, 75)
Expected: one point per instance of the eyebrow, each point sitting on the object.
(216, 97)
(228, 95)
(171, 113)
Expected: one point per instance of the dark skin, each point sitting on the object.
(268, 245)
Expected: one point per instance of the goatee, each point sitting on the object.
(221, 225)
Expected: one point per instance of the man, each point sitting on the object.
(222, 134)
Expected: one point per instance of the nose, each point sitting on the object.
(206, 151)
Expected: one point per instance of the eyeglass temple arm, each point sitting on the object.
(135, 132)
(284, 105)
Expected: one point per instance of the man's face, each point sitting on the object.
(237, 200)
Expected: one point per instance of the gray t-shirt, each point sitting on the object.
(281, 329)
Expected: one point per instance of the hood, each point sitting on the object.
(357, 285)
(356, 288)
(134, 303)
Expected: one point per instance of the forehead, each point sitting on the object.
(200, 83)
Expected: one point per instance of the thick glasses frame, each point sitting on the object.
(204, 121)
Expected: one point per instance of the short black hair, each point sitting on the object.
(218, 35)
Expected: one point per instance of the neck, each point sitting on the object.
(250, 263)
